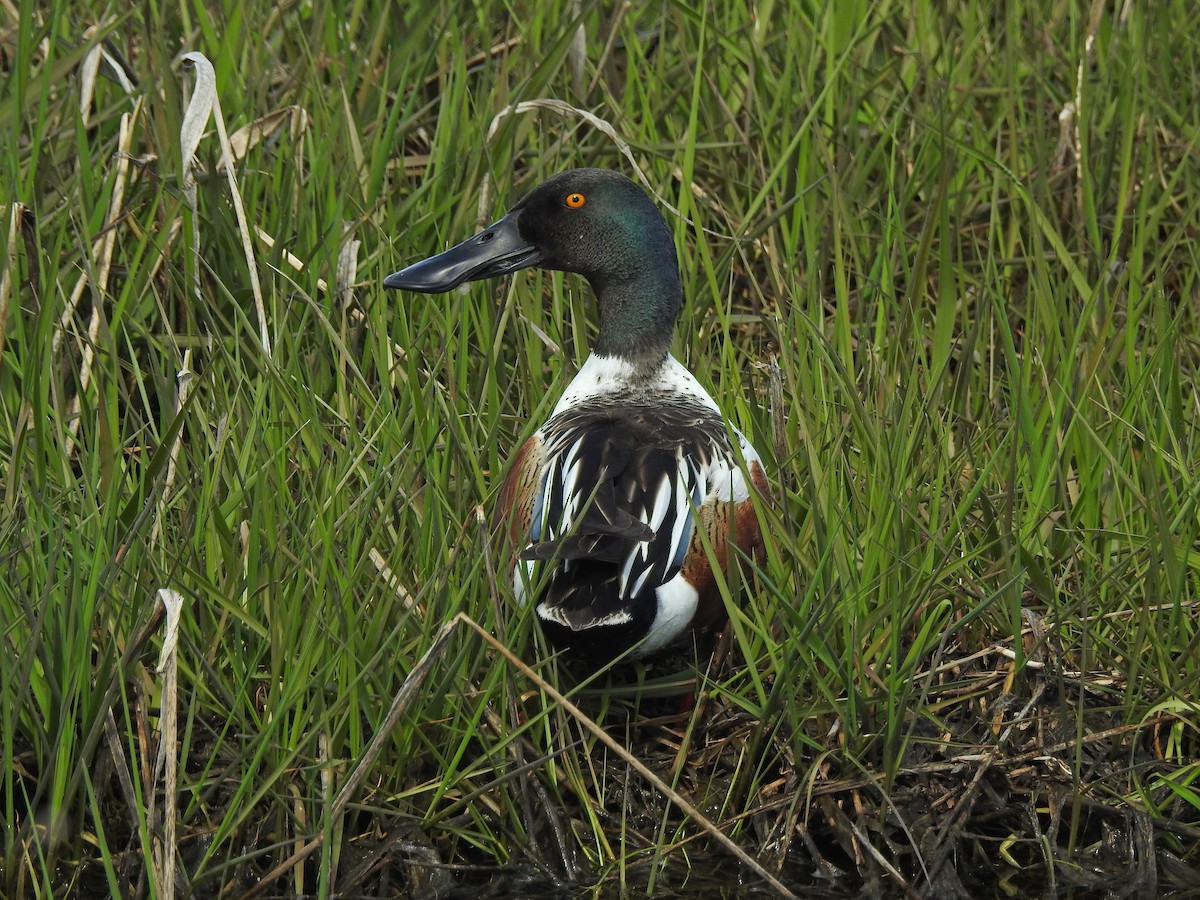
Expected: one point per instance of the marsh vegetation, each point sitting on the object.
(940, 265)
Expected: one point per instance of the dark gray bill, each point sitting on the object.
(497, 250)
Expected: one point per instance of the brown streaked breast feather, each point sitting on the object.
(747, 533)
(518, 490)
(728, 526)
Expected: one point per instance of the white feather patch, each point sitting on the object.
(600, 375)
(554, 614)
(677, 602)
(522, 575)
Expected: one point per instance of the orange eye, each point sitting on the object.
(575, 200)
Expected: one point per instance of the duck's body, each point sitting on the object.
(633, 488)
(654, 457)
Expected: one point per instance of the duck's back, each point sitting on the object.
(609, 500)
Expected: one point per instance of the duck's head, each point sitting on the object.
(590, 221)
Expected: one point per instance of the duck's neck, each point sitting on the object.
(638, 310)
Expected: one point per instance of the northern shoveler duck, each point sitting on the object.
(633, 486)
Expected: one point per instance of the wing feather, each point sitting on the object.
(615, 509)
